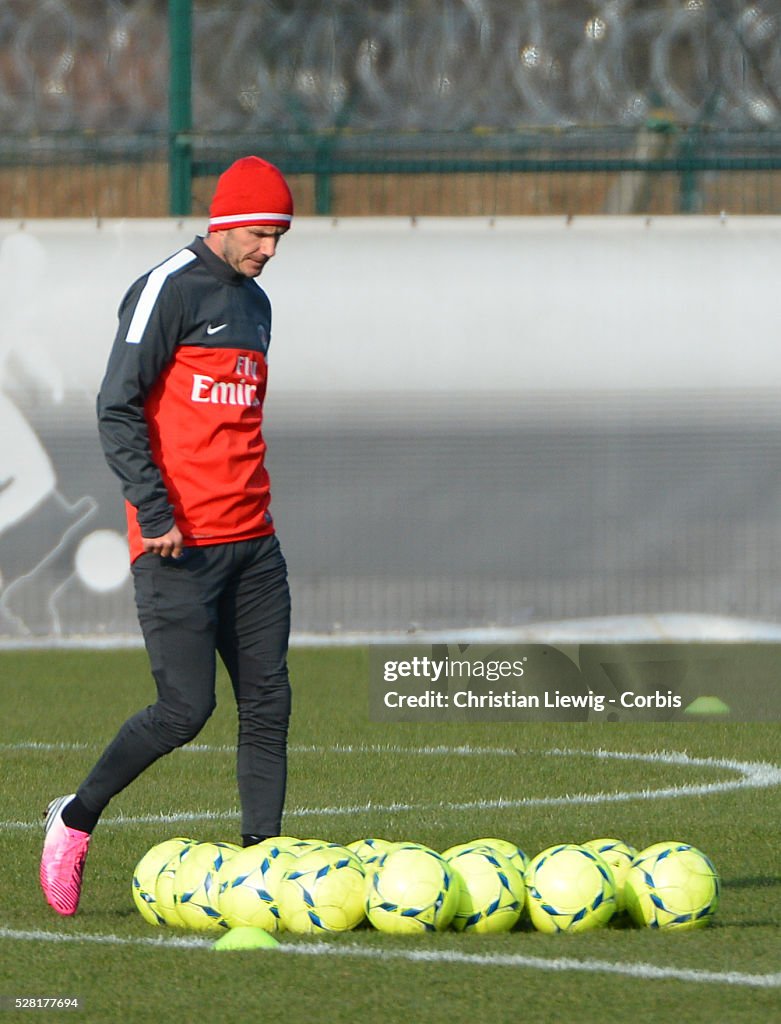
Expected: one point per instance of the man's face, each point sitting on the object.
(246, 249)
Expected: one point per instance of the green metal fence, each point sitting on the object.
(657, 170)
(392, 107)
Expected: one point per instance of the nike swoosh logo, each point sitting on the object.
(214, 330)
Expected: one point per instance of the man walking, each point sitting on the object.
(179, 415)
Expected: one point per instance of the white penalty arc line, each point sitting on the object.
(641, 970)
(751, 775)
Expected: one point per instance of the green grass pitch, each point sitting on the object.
(439, 784)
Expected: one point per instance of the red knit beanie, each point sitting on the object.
(251, 191)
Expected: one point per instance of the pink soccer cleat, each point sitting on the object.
(62, 860)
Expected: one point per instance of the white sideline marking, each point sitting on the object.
(672, 627)
(37, 745)
(429, 956)
(752, 775)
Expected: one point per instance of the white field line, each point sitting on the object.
(751, 775)
(665, 627)
(428, 956)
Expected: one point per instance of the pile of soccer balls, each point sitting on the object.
(488, 885)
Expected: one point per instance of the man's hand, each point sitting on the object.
(168, 545)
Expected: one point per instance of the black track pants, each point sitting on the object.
(227, 598)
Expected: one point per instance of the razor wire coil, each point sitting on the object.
(393, 65)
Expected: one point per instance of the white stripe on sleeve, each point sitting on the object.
(151, 290)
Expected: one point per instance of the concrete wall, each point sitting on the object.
(469, 423)
(515, 305)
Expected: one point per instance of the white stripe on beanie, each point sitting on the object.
(259, 217)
